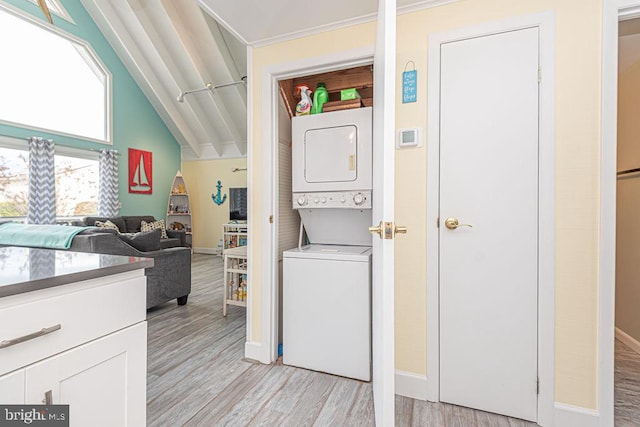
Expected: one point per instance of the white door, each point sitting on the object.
(383, 211)
(489, 180)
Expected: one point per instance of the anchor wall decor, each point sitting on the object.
(217, 198)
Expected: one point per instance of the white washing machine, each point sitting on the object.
(327, 309)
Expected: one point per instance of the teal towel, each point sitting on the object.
(39, 236)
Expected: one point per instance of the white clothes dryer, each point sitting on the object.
(332, 151)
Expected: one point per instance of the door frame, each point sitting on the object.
(268, 348)
(613, 11)
(546, 220)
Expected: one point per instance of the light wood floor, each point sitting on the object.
(197, 376)
(627, 386)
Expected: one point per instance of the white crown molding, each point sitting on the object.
(422, 5)
(425, 4)
(314, 30)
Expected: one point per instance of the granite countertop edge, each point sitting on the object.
(65, 279)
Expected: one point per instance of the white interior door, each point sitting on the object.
(489, 180)
(383, 211)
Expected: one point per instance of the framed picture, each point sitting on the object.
(140, 171)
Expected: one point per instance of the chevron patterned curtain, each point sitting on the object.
(108, 203)
(41, 208)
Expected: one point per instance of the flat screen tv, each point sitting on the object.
(238, 204)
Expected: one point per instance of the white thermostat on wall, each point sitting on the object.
(409, 138)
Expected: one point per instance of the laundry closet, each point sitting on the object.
(325, 209)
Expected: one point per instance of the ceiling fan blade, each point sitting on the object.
(45, 10)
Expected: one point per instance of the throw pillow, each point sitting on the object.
(148, 226)
(145, 241)
(107, 224)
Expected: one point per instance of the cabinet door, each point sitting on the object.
(103, 381)
(12, 388)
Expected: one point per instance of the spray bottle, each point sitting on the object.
(303, 107)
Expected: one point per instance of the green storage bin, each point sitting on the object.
(349, 94)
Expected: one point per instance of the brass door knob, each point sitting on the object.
(453, 223)
(377, 230)
(400, 229)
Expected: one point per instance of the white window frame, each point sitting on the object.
(94, 60)
(62, 11)
(21, 144)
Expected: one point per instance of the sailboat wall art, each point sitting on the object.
(140, 171)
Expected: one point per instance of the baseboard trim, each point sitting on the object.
(210, 251)
(571, 416)
(627, 339)
(411, 385)
(253, 350)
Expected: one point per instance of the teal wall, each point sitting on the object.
(136, 124)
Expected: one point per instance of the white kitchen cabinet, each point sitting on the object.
(12, 388)
(87, 345)
(100, 380)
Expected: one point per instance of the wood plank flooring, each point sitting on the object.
(627, 386)
(197, 376)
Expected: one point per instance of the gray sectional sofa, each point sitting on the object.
(170, 276)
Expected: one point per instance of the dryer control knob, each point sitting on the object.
(302, 200)
(323, 200)
(358, 199)
(342, 200)
(316, 200)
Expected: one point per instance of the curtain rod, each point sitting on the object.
(210, 86)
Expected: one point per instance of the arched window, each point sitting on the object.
(51, 80)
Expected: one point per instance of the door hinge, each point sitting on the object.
(438, 222)
(539, 74)
(270, 219)
(538, 385)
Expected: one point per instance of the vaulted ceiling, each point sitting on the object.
(172, 46)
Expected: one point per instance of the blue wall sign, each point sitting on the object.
(409, 86)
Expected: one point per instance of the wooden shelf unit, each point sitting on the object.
(233, 235)
(360, 78)
(235, 278)
(179, 207)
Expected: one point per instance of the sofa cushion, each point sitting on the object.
(133, 223)
(107, 224)
(170, 243)
(118, 220)
(148, 226)
(145, 241)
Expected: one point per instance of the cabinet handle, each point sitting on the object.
(48, 398)
(41, 332)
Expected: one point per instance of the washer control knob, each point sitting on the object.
(358, 199)
(302, 200)
(316, 200)
(323, 200)
(342, 199)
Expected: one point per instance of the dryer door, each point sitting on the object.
(330, 154)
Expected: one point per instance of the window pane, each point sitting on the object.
(48, 81)
(76, 186)
(14, 182)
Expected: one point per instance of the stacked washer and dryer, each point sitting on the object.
(327, 283)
